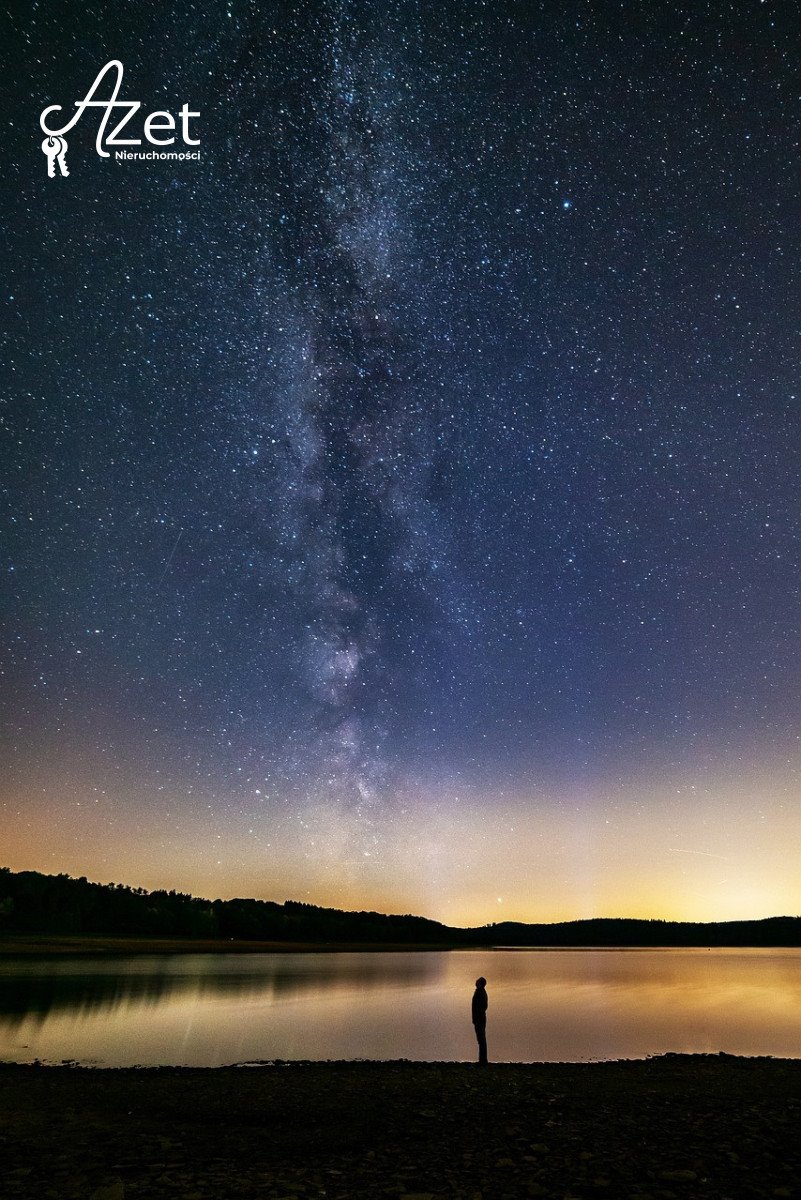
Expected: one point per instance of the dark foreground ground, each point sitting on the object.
(668, 1127)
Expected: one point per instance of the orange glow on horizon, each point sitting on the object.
(710, 849)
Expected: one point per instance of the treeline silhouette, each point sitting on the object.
(58, 904)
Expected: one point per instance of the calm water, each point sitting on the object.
(544, 1005)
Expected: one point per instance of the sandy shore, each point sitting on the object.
(677, 1126)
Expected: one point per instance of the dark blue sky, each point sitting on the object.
(430, 447)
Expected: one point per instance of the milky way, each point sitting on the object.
(357, 436)
(401, 503)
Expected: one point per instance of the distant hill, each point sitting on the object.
(60, 905)
(626, 931)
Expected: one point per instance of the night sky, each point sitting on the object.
(400, 505)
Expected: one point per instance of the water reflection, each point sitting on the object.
(38, 987)
(549, 1005)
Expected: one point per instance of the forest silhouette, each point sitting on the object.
(58, 905)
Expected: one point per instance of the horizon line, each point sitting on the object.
(413, 916)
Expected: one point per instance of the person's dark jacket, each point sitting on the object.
(480, 1003)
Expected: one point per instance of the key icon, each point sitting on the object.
(55, 147)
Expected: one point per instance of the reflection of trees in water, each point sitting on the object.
(28, 994)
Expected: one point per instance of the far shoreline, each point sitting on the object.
(46, 945)
(89, 945)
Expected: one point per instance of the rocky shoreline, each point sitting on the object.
(699, 1126)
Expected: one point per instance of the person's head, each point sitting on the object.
(481, 982)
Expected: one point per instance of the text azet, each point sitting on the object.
(159, 128)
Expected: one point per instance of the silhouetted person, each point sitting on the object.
(480, 1003)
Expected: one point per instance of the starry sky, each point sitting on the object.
(400, 505)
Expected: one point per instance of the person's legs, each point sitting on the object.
(481, 1038)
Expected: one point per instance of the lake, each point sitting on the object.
(545, 1005)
